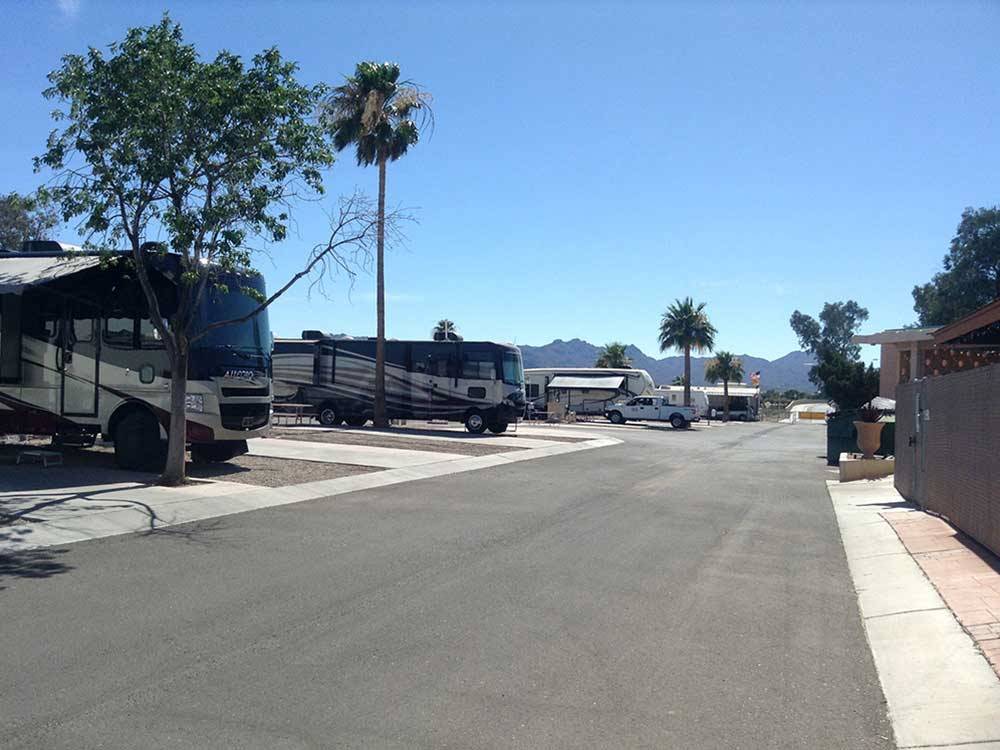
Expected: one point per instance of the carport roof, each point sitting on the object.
(569, 383)
(18, 271)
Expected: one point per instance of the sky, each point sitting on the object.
(592, 162)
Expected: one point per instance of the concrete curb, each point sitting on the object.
(137, 508)
(940, 690)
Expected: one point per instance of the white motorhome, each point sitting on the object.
(744, 400)
(584, 390)
(80, 357)
(675, 395)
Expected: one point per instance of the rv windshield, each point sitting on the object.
(513, 373)
(253, 334)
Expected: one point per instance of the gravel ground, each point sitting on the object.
(274, 472)
(482, 447)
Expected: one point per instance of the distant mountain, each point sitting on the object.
(790, 371)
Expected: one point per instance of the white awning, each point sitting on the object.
(571, 383)
(18, 271)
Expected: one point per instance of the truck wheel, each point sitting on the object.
(137, 443)
(327, 416)
(678, 422)
(355, 420)
(475, 423)
(498, 428)
(616, 417)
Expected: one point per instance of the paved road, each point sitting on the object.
(682, 590)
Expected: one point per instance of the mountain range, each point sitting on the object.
(790, 371)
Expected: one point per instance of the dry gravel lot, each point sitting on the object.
(360, 436)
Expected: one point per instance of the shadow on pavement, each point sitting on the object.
(31, 563)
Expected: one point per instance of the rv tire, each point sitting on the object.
(475, 422)
(356, 421)
(138, 446)
(217, 453)
(327, 416)
(498, 428)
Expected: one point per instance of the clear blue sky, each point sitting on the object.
(591, 162)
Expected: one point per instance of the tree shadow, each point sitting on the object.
(28, 563)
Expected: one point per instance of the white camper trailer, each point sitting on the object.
(675, 395)
(584, 390)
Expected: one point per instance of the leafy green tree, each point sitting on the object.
(837, 372)
(838, 322)
(685, 326)
(206, 155)
(25, 217)
(728, 368)
(971, 275)
(376, 112)
(613, 355)
(445, 330)
(847, 383)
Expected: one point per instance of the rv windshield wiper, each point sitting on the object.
(238, 353)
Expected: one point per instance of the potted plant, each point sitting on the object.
(869, 426)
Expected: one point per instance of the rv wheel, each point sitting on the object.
(678, 422)
(137, 443)
(616, 417)
(219, 452)
(327, 416)
(498, 428)
(475, 423)
(355, 421)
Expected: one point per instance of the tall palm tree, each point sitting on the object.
(685, 326)
(377, 113)
(728, 368)
(445, 330)
(613, 355)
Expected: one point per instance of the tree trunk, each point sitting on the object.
(380, 415)
(687, 375)
(173, 470)
(725, 396)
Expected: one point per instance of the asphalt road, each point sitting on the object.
(686, 589)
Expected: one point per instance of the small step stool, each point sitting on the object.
(47, 458)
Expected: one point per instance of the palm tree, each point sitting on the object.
(685, 326)
(374, 111)
(728, 368)
(613, 355)
(445, 330)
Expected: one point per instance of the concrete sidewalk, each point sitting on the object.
(437, 435)
(74, 514)
(940, 690)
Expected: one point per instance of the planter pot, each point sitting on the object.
(869, 437)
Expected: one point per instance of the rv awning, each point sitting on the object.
(570, 383)
(17, 272)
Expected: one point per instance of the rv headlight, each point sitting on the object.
(194, 402)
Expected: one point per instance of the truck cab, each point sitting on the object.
(652, 409)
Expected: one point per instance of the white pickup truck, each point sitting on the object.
(653, 409)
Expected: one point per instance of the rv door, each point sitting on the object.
(77, 359)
